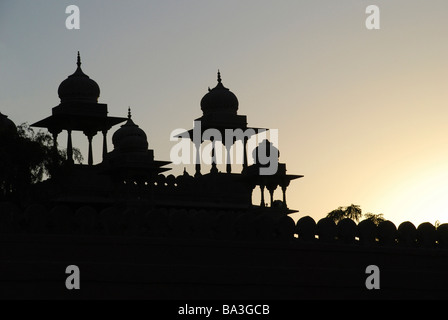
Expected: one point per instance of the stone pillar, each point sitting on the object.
(69, 147)
(214, 169)
(245, 139)
(262, 202)
(284, 196)
(198, 159)
(104, 144)
(90, 158)
(228, 159)
(55, 140)
(271, 193)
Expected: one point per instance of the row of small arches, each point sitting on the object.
(215, 224)
(368, 233)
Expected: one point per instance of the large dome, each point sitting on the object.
(7, 127)
(219, 100)
(79, 87)
(130, 137)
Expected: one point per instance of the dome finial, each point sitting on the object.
(79, 60)
(219, 77)
(129, 113)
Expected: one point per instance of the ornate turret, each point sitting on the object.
(219, 100)
(78, 87)
(79, 110)
(131, 160)
(130, 137)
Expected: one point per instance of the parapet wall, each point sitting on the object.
(198, 254)
(211, 224)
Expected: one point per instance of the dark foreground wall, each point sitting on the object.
(168, 253)
(33, 266)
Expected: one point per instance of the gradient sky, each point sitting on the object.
(362, 114)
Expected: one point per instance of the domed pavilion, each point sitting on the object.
(219, 112)
(131, 160)
(79, 110)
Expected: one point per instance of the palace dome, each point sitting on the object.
(219, 100)
(79, 87)
(130, 137)
(7, 127)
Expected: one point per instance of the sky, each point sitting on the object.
(361, 113)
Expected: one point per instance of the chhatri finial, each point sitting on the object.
(219, 77)
(129, 113)
(79, 60)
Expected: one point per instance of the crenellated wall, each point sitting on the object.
(215, 224)
(198, 254)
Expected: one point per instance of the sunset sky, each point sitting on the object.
(362, 114)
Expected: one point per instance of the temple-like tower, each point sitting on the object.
(279, 179)
(219, 107)
(79, 110)
(131, 160)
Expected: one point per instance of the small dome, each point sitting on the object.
(219, 100)
(7, 127)
(130, 137)
(79, 87)
(263, 152)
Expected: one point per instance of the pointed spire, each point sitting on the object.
(79, 60)
(129, 113)
(219, 77)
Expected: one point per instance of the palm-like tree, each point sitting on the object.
(375, 218)
(352, 211)
(337, 214)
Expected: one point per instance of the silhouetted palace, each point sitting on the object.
(129, 175)
(136, 231)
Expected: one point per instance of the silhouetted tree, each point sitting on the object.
(352, 211)
(27, 159)
(375, 218)
(337, 214)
